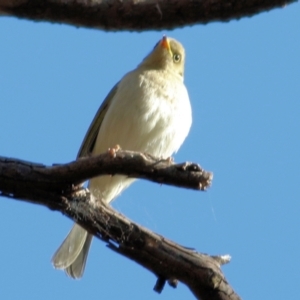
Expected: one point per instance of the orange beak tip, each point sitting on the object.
(165, 43)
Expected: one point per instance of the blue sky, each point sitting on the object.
(243, 79)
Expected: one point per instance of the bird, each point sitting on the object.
(149, 111)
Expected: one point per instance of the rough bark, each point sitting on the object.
(59, 188)
(21, 177)
(136, 15)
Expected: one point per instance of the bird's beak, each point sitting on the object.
(165, 44)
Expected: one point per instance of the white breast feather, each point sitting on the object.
(142, 117)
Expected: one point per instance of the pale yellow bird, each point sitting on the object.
(148, 110)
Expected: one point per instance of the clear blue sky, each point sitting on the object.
(243, 78)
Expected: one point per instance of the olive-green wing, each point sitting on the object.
(89, 140)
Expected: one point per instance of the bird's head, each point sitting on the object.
(168, 54)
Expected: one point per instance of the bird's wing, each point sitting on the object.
(89, 140)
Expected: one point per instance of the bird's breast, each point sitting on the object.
(150, 112)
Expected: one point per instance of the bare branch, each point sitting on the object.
(59, 188)
(136, 15)
(23, 179)
(167, 260)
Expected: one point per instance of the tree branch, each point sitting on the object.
(25, 178)
(59, 188)
(136, 15)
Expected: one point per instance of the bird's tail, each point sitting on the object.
(72, 254)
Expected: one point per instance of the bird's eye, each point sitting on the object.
(176, 58)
